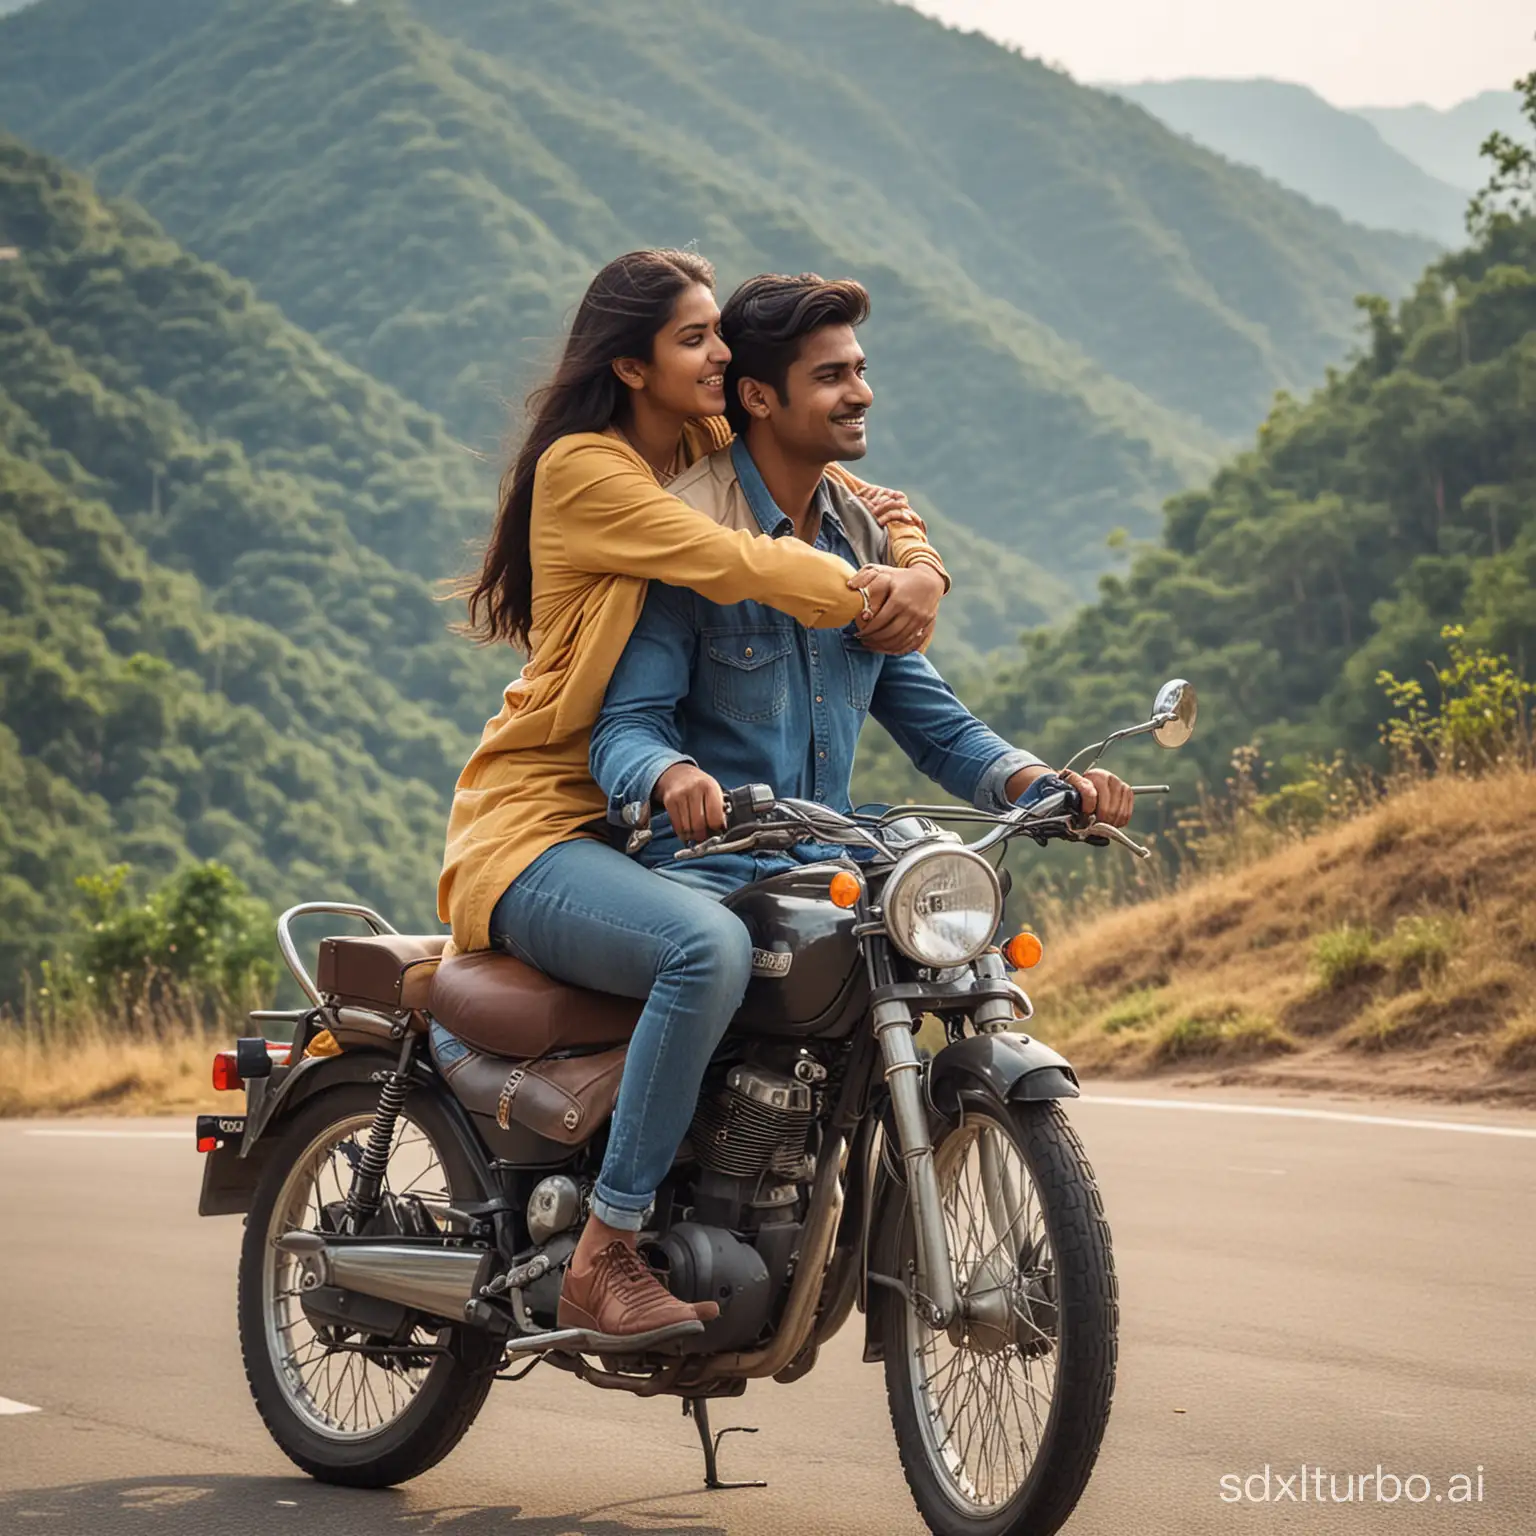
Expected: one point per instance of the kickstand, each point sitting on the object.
(698, 1408)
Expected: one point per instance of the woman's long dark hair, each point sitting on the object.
(628, 302)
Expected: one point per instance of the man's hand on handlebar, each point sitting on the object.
(905, 604)
(694, 801)
(1105, 797)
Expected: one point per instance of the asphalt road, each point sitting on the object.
(1334, 1293)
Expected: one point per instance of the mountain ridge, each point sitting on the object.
(1289, 132)
(430, 208)
(1446, 141)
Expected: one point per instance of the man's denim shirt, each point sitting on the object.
(751, 696)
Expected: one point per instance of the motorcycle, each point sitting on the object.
(414, 1167)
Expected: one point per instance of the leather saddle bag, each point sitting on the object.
(564, 1098)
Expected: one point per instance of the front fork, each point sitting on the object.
(934, 1292)
(934, 1288)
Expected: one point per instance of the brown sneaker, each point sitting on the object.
(623, 1303)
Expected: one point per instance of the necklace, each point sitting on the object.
(674, 466)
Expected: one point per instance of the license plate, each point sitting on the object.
(220, 1129)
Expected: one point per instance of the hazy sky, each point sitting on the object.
(1354, 52)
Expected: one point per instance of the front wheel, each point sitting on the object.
(346, 1407)
(999, 1417)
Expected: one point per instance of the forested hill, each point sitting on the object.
(1399, 498)
(1071, 303)
(218, 636)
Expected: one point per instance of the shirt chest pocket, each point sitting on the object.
(751, 672)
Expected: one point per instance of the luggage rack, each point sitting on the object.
(290, 951)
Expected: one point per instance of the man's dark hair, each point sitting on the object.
(767, 318)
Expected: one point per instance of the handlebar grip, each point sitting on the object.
(1053, 784)
(746, 804)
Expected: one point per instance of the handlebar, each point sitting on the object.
(751, 822)
(746, 804)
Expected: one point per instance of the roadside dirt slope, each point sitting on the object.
(1394, 953)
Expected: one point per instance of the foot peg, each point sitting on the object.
(698, 1409)
(583, 1341)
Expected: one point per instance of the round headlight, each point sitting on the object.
(942, 905)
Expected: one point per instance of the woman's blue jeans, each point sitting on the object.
(590, 916)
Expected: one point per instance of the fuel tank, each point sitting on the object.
(808, 976)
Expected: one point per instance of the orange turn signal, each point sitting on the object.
(845, 889)
(324, 1044)
(226, 1076)
(1023, 951)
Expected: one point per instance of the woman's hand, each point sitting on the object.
(905, 604)
(693, 800)
(890, 507)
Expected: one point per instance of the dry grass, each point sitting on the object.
(94, 1072)
(1396, 951)
(1515, 1046)
(1384, 947)
(62, 1054)
(98, 1075)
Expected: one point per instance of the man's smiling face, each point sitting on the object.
(821, 417)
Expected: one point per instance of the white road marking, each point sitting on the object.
(1464, 1127)
(116, 1135)
(10, 1405)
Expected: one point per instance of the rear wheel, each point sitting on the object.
(338, 1405)
(999, 1417)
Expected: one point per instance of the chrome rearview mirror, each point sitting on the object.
(1171, 725)
(1174, 713)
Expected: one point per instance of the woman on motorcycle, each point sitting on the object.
(584, 523)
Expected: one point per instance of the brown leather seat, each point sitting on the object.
(501, 1006)
(392, 971)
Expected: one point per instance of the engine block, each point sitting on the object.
(756, 1123)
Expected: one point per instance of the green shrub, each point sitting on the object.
(1420, 948)
(199, 936)
(1133, 1010)
(1228, 1033)
(1345, 955)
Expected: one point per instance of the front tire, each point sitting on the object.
(336, 1413)
(999, 1420)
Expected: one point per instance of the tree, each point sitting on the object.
(1510, 194)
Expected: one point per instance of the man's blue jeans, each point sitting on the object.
(591, 916)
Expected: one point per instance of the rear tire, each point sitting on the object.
(1071, 1294)
(454, 1386)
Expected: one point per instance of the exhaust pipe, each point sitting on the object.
(435, 1280)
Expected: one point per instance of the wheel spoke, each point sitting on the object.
(984, 1400)
(343, 1394)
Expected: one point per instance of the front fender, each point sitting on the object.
(1004, 1067)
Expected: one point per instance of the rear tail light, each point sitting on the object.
(227, 1075)
(207, 1143)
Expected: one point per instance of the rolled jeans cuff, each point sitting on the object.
(609, 1210)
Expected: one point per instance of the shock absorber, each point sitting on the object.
(368, 1176)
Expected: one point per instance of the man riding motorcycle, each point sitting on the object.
(707, 693)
